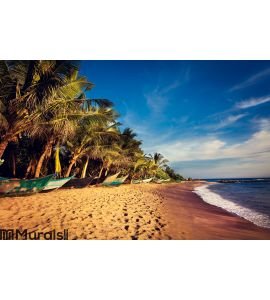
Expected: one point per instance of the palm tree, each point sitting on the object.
(159, 160)
(58, 118)
(89, 139)
(24, 87)
(145, 166)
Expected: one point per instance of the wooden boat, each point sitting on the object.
(54, 184)
(111, 178)
(78, 182)
(142, 181)
(21, 187)
(121, 179)
(161, 180)
(113, 181)
(136, 181)
(147, 180)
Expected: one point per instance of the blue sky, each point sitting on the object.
(209, 118)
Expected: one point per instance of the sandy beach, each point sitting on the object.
(145, 211)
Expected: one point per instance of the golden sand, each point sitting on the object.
(144, 211)
(125, 212)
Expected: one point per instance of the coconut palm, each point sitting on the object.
(90, 138)
(25, 86)
(60, 117)
(159, 160)
(44, 109)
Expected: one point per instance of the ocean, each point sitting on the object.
(247, 197)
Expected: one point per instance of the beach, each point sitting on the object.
(129, 212)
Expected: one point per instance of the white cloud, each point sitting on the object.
(262, 123)
(227, 169)
(252, 102)
(157, 100)
(206, 148)
(251, 80)
(226, 122)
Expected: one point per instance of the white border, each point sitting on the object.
(120, 29)
(134, 270)
(142, 29)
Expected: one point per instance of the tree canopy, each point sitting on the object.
(48, 124)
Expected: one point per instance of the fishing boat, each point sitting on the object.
(54, 183)
(162, 180)
(78, 182)
(121, 179)
(21, 187)
(114, 181)
(147, 180)
(136, 181)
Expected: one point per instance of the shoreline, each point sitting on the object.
(200, 220)
(143, 211)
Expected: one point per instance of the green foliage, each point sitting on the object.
(161, 174)
(44, 106)
(173, 175)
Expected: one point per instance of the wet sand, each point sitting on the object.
(144, 211)
(192, 218)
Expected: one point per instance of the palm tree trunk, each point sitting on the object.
(29, 169)
(85, 167)
(29, 75)
(13, 164)
(42, 157)
(100, 172)
(3, 146)
(40, 163)
(72, 162)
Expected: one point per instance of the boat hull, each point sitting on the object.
(54, 184)
(21, 187)
(78, 182)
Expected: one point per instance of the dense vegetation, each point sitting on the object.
(48, 125)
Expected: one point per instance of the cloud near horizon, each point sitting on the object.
(206, 148)
(251, 154)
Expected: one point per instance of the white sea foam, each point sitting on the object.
(246, 213)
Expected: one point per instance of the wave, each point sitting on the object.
(212, 198)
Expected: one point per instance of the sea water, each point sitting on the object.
(248, 198)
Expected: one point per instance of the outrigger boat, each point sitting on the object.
(113, 180)
(147, 180)
(161, 180)
(136, 181)
(142, 181)
(78, 182)
(55, 184)
(21, 187)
